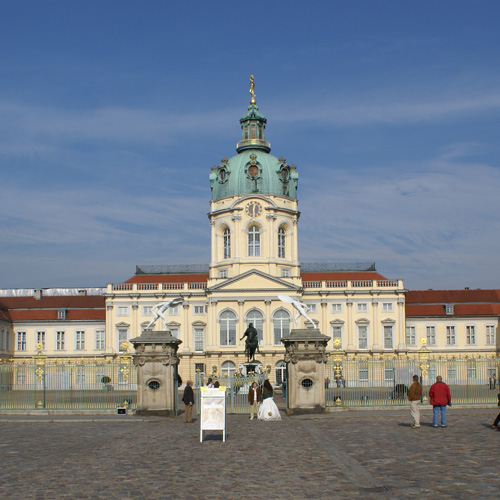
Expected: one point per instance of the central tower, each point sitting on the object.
(253, 211)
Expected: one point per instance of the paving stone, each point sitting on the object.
(346, 455)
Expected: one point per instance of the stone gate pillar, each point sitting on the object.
(306, 357)
(156, 360)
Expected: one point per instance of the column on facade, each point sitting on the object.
(109, 327)
(211, 332)
(185, 332)
(235, 240)
(272, 252)
(351, 340)
(401, 333)
(294, 244)
(268, 329)
(135, 328)
(324, 319)
(376, 333)
(241, 321)
(214, 241)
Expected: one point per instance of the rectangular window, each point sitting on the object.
(173, 311)
(61, 314)
(388, 374)
(80, 375)
(452, 372)
(21, 341)
(470, 334)
(80, 341)
(40, 338)
(336, 308)
(471, 372)
(490, 335)
(100, 340)
(60, 339)
(411, 337)
(285, 272)
(122, 311)
(362, 307)
(363, 337)
(312, 308)
(337, 332)
(122, 337)
(199, 339)
(147, 310)
(388, 341)
(2, 339)
(363, 373)
(450, 335)
(223, 273)
(431, 335)
(387, 307)
(449, 309)
(199, 310)
(199, 367)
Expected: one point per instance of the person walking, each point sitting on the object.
(254, 399)
(188, 400)
(415, 396)
(440, 397)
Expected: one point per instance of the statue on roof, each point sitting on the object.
(252, 93)
(299, 306)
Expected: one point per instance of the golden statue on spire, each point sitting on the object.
(252, 93)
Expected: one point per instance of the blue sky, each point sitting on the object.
(113, 112)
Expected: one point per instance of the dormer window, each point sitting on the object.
(61, 314)
(449, 308)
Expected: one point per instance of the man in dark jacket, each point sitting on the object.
(188, 400)
(439, 395)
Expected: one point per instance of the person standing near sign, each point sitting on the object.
(188, 400)
(254, 399)
(415, 396)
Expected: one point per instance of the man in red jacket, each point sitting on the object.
(439, 395)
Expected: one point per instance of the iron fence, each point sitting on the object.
(384, 382)
(236, 390)
(47, 384)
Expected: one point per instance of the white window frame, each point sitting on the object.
(199, 338)
(337, 307)
(286, 272)
(411, 335)
(122, 310)
(228, 321)
(490, 334)
(362, 340)
(228, 369)
(40, 338)
(451, 335)
(60, 340)
(387, 307)
(281, 325)
(226, 236)
(449, 309)
(173, 311)
(223, 273)
(470, 334)
(337, 332)
(122, 336)
(61, 314)
(147, 310)
(281, 243)
(199, 309)
(80, 340)
(312, 308)
(254, 241)
(388, 339)
(100, 340)
(362, 307)
(21, 341)
(430, 333)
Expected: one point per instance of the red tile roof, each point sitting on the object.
(77, 307)
(465, 302)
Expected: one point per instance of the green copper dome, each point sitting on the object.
(253, 169)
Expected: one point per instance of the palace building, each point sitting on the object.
(253, 257)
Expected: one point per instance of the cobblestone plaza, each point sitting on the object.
(344, 455)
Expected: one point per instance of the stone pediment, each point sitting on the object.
(252, 281)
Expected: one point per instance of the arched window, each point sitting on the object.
(227, 243)
(281, 243)
(228, 369)
(257, 318)
(254, 242)
(227, 328)
(281, 325)
(280, 372)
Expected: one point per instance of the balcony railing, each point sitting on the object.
(354, 284)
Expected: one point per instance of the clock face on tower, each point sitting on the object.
(253, 209)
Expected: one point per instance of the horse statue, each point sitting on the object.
(251, 342)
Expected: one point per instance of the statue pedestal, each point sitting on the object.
(156, 360)
(250, 367)
(306, 357)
